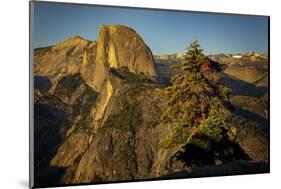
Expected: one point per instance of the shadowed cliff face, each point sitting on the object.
(100, 103)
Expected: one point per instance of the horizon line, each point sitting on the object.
(154, 54)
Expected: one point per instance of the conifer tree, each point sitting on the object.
(196, 99)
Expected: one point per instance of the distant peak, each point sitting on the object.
(237, 56)
(72, 41)
(76, 38)
(252, 53)
(116, 27)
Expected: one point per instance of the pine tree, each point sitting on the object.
(196, 99)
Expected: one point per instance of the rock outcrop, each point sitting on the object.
(118, 46)
(60, 60)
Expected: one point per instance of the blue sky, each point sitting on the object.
(165, 32)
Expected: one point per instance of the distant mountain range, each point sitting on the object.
(221, 58)
(250, 66)
(246, 58)
(246, 74)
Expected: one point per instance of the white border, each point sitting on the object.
(15, 92)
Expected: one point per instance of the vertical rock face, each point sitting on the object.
(107, 93)
(118, 46)
(127, 49)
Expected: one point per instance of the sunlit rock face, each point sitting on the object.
(60, 60)
(118, 46)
